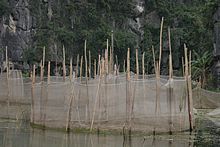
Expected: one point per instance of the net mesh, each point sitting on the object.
(112, 103)
(109, 102)
(205, 99)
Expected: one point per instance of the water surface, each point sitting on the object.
(20, 134)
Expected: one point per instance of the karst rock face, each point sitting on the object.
(16, 28)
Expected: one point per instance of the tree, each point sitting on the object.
(201, 66)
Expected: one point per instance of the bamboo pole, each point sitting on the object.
(134, 91)
(32, 96)
(6, 62)
(81, 63)
(7, 79)
(128, 64)
(41, 71)
(112, 46)
(110, 60)
(72, 96)
(170, 57)
(90, 64)
(64, 65)
(161, 40)
(143, 67)
(116, 60)
(190, 58)
(77, 66)
(86, 66)
(69, 108)
(188, 88)
(157, 89)
(70, 100)
(170, 94)
(183, 66)
(45, 103)
(124, 67)
(106, 59)
(42, 84)
(71, 69)
(43, 56)
(94, 68)
(128, 96)
(97, 93)
(99, 67)
(137, 65)
(154, 59)
(48, 73)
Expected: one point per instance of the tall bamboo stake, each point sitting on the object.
(45, 103)
(86, 66)
(157, 89)
(170, 94)
(42, 84)
(6, 62)
(137, 64)
(7, 78)
(190, 60)
(94, 68)
(41, 71)
(43, 56)
(77, 66)
(72, 95)
(124, 67)
(97, 93)
(64, 65)
(116, 60)
(112, 46)
(90, 65)
(110, 61)
(161, 40)
(32, 95)
(71, 69)
(128, 64)
(81, 64)
(99, 67)
(183, 66)
(106, 59)
(143, 67)
(188, 88)
(128, 97)
(48, 73)
(170, 57)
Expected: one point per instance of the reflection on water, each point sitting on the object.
(19, 134)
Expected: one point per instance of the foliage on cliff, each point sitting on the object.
(70, 22)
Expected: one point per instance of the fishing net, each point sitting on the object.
(15, 95)
(143, 103)
(205, 99)
(111, 102)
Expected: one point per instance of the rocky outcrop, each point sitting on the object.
(16, 29)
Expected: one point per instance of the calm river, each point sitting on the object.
(20, 134)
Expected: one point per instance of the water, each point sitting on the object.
(20, 134)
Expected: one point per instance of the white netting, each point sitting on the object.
(112, 103)
(205, 99)
(15, 95)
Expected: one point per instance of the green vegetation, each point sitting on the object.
(71, 22)
(201, 67)
(4, 8)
